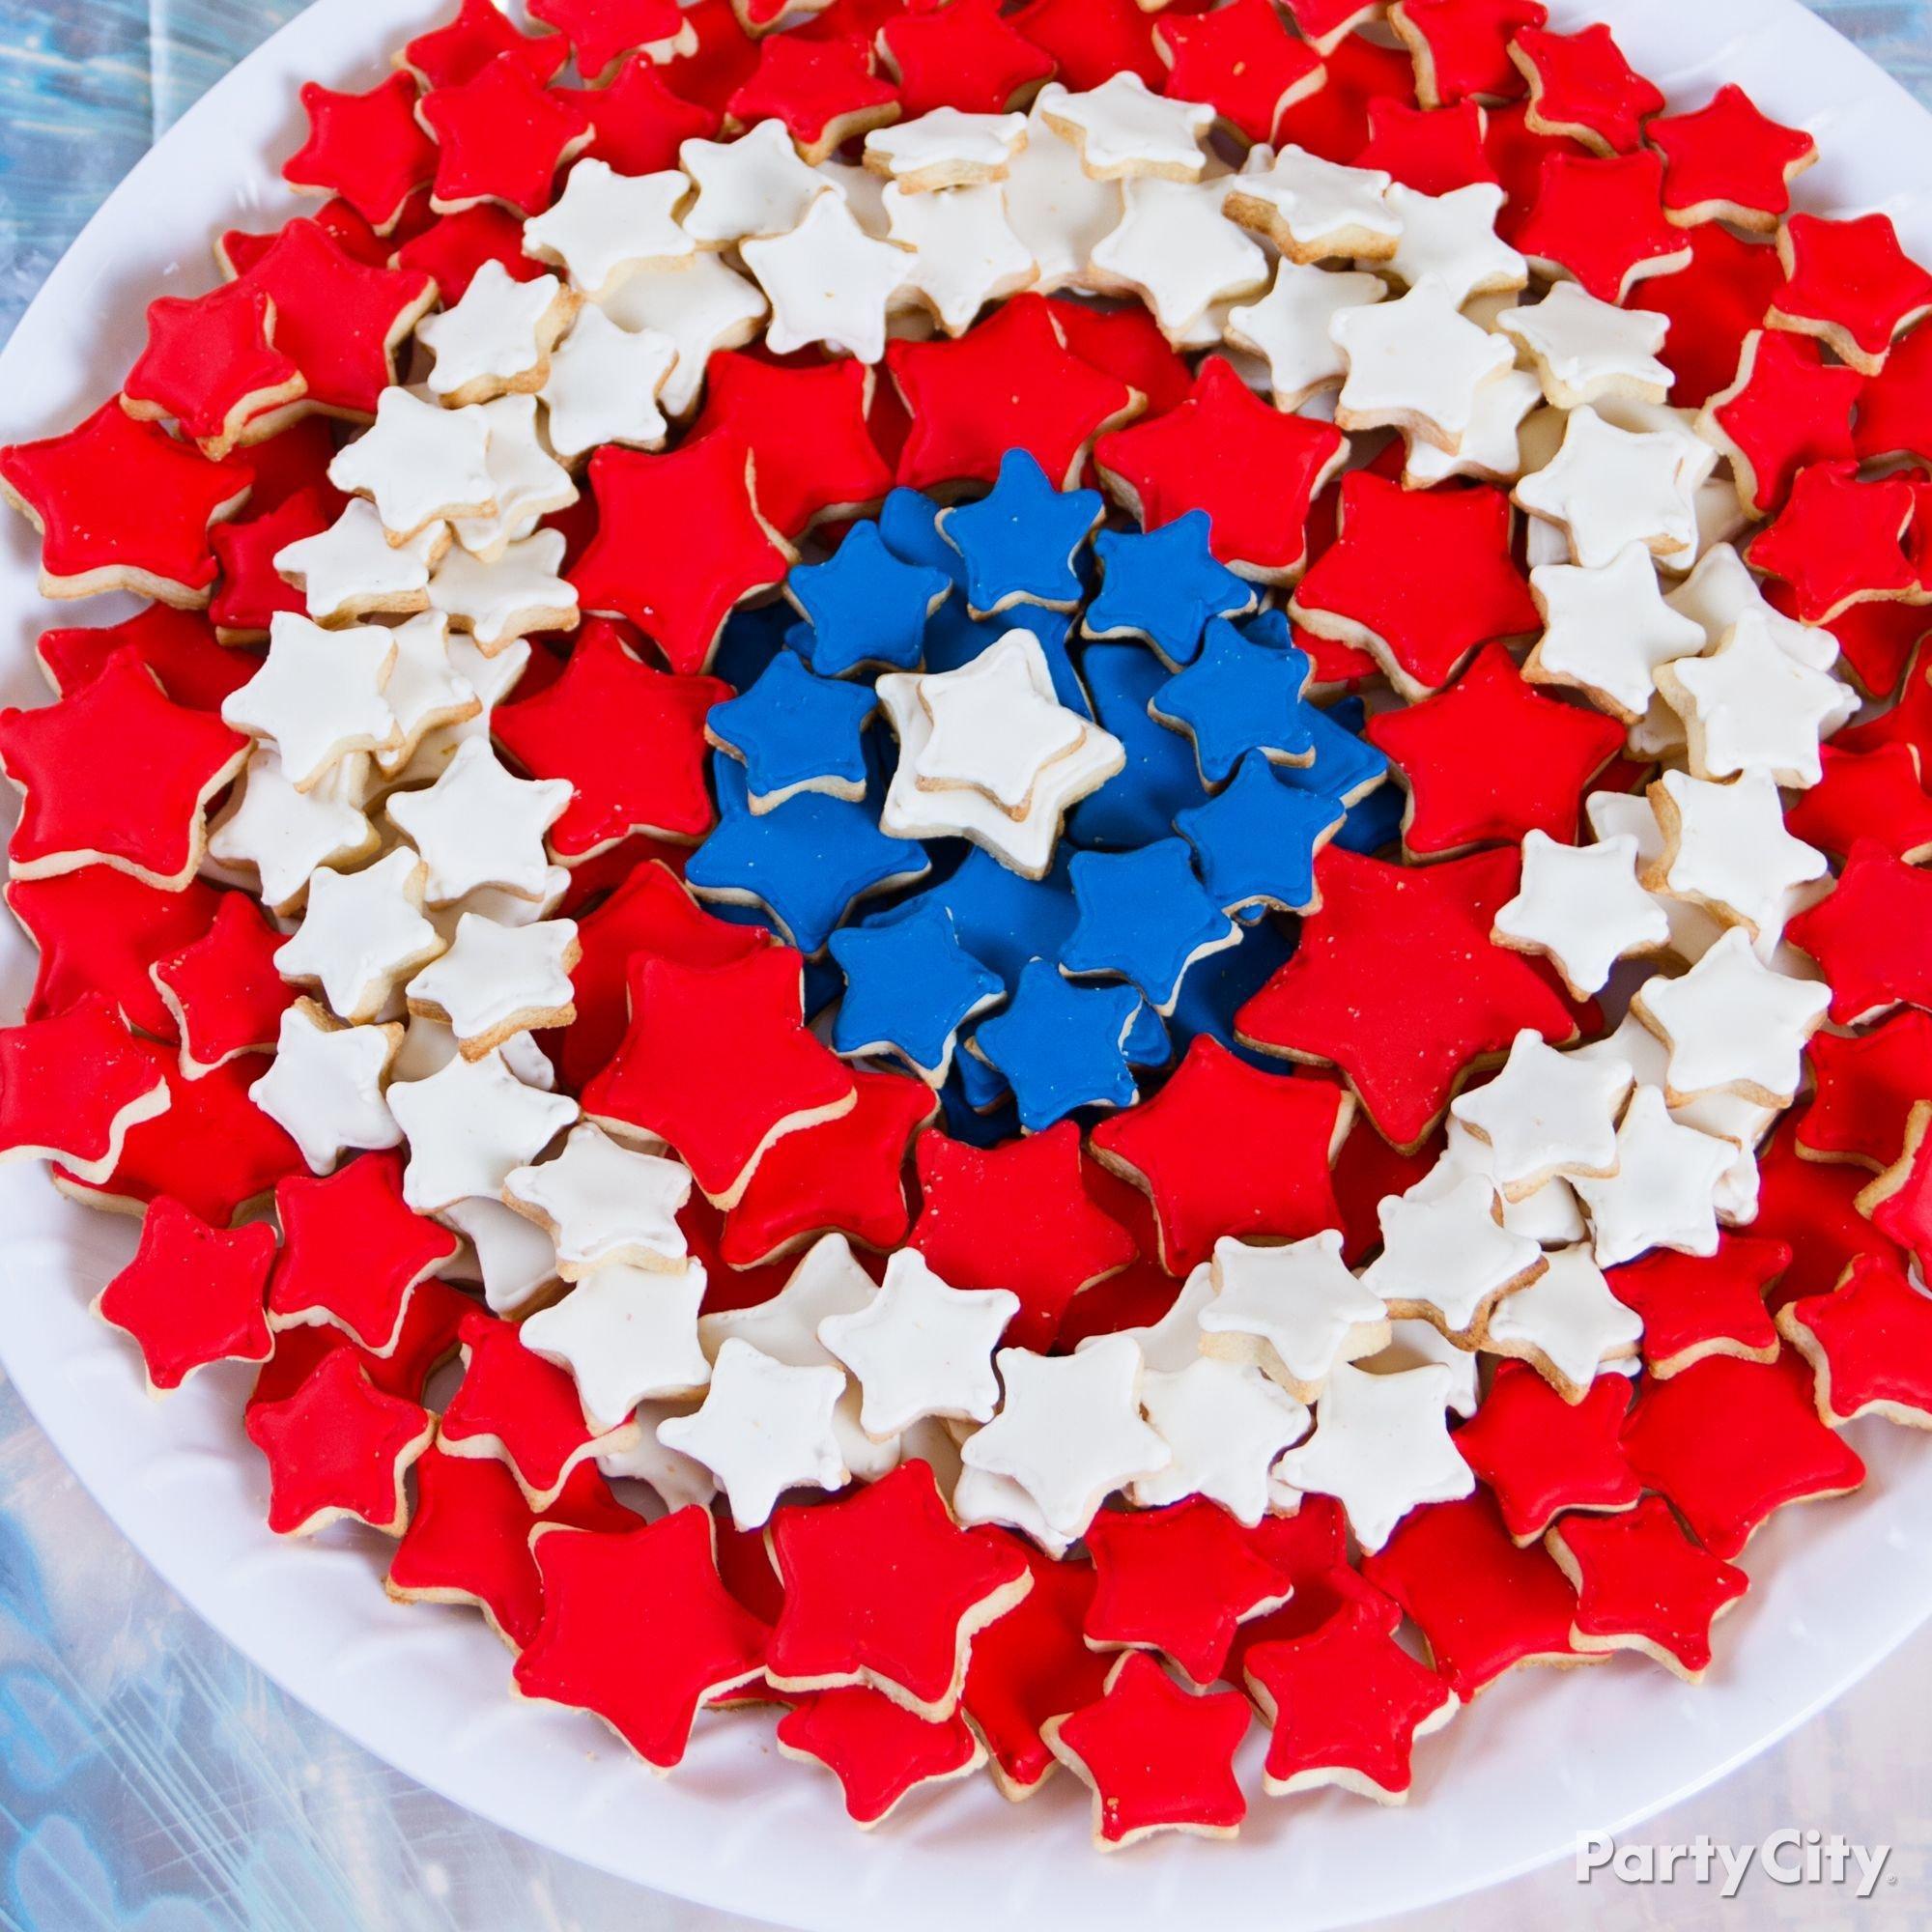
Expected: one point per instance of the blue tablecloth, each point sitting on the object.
(150, 1779)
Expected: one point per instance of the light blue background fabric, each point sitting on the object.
(151, 1780)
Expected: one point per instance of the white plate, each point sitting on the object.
(1508, 1786)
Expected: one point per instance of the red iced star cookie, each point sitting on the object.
(1126, 343)
(1869, 1343)
(1461, 48)
(1895, 406)
(211, 365)
(1867, 795)
(1580, 85)
(1492, 760)
(500, 136)
(223, 990)
(679, 543)
(636, 122)
(338, 1447)
(824, 92)
(813, 456)
(429, 1340)
(1254, 468)
(1010, 382)
(340, 321)
(1432, 150)
(115, 773)
(1459, 586)
(179, 646)
(1838, 541)
(1642, 1584)
(1898, 1204)
(1089, 41)
(367, 148)
(479, 32)
(1786, 407)
(1230, 1149)
(1601, 221)
(602, 32)
(1694, 1307)
(1158, 1758)
(1729, 161)
(638, 1630)
(628, 737)
(1333, 122)
(1811, 1207)
(1345, 1704)
(847, 1176)
(883, 1588)
(1729, 1442)
(352, 1252)
(1483, 1604)
(726, 54)
(454, 247)
(1540, 1454)
(1030, 1666)
(1241, 59)
(120, 505)
(192, 1294)
(1177, 1580)
(879, 1751)
(718, 1060)
(294, 458)
(962, 55)
(1016, 1216)
(1711, 306)
(252, 591)
(1849, 284)
(1872, 936)
(1349, 997)
(1864, 1088)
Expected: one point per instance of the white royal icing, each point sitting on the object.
(1294, 1312)
(604, 1203)
(479, 826)
(1582, 906)
(626, 1335)
(323, 1088)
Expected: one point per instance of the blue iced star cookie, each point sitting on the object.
(1236, 698)
(1062, 1045)
(1255, 842)
(805, 863)
(909, 988)
(1159, 778)
(1163, 585)
(795, 732)
(864, 605)
(1021, 543)
(1144, 917)
(909, 528)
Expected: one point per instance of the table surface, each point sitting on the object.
(152, 1779)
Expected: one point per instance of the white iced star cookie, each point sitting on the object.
(430, 1045)
(492, 677)
(285, 835)
(495, 982)
(1547, 1114)
(1056, 208)
(604, 226)
(1055, 780)
(512, 1257)
(1584, 350)
(1732, 1024)
(1607, 630)
(965, 253)
(323, 1088)
(497, 338)
(1415, 364)
(362, 935)
(978, 1496)
(703, 306)
(319, 698)
(1721, 591)
(921, 1348)
(1491, 448)
(425, 690)
(1448, 1259)
(828, 282)
(990, 730)
(1169, 1345)
(523, 591)
(1664, 1192)
(1227, 1425)
(1317, 211)
(1725, 848)
(755, 185)
(1289, 327)
(945, 148)
(1070, 1431)
(603, 385)
(1608, 487)
(418, 464)
(1567, 1325)
(469, 1126)
(1751, 706)
(1582, 908)
(765, 1427)
(1123, 128)
(1452, 238)
(1293, 1312)
(528, 481)
(479, 826)
(1380, 1447)
(604, 1203)
(1178, 252)
(625, 1335)
(352, 570)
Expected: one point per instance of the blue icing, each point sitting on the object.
(1164, 586)
(1062, 1046)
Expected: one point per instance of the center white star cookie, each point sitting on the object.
(625, 1335)
(603, 385)
(1380, 1447)
(1751, 706)
(1289, 327)
(1585, 349)
(1452, 238)
(1293, 1312)
(1567, 1325)
(529, 482)
(1415, 364)
(946, 149)
(362, 934)
(828, 282)
(523, 590)
(419, 463)
(1448, 1259)
(1178, 252)
(352, 570)
(319, 697)
(1121, 128)
(1662, 1195)
(754, 186)
(496, 980)
(990, 727)
(604, 226)
(1608, 487)
(1226, 1425)
(603, 1202)
(1607, 630)
(1317, 211)
(1547, 1114)
(497, 338)
(323, 1088)
(963, 251)
(479, 826)
(1582, 908)
(470, 1124)
(1725, 848)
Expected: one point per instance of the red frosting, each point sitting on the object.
(221, 991)
(368, 147)
(1692, 1307)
